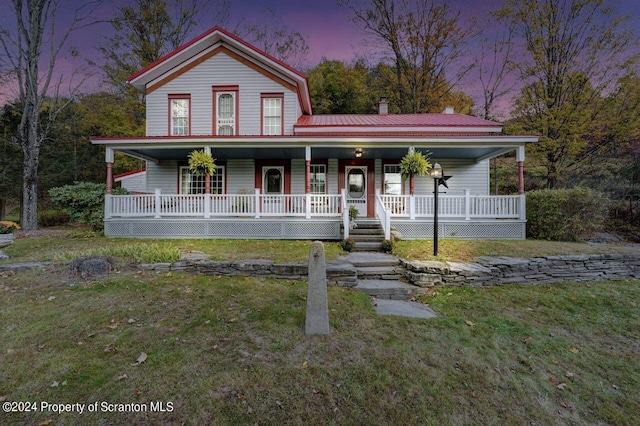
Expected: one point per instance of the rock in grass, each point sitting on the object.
(92, 266)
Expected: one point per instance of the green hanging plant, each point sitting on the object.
(201, 163)
(415, 163)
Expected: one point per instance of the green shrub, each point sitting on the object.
(48, 218)
(387, 246)
(83, 201)
(348, 244)
(565, 214)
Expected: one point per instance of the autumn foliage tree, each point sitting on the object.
(572, 52)
(424, 42)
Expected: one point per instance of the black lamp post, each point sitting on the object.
(436, 175)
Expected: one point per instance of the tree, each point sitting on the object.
(23, 48)
(339, 88)
(275, 38)
(423, 41)
(494, 64)
(10, 157)
(573, 51)
(146, 30)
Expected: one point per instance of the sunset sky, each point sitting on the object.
(326, 27)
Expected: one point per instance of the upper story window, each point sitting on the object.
(225, 113)
(179, 111)
(272, 118)
(392, 179)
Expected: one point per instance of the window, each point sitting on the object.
(392, 179)
(318, 179)
(272, 114)
(179, 106)
(273, 180)
(225, 110)
(191, 183)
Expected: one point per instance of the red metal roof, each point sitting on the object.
(131, 173)
(393, 120)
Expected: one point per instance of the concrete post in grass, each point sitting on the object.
(317, 321)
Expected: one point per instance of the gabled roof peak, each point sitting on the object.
(217, 36)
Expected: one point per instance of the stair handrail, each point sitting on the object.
(384, 216)
(345, 213)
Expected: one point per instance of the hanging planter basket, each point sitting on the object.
(201, 163)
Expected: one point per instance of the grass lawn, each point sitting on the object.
(221, 350)
(233, 351)
(466, 250)
(79, 243)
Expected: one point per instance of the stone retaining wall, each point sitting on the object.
(489, 271)
(338, 273)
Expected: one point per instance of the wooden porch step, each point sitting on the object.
(375, 246)
(368, 235)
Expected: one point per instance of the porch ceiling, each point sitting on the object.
(226, 153)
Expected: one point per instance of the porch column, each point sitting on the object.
(109, 161)
(307, 172)
(520, 159)
(207, 177)
(307, 181)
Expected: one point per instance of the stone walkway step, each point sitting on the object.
(387, 289)
(403, 309)
(371, 259)
(381, 273)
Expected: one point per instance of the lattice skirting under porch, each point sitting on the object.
(494, 229)
(301, 229)
(241, 228)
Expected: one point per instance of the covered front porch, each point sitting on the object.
(309, 216)
(303, 187)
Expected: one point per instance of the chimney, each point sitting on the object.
(448, 110)
(383, 106)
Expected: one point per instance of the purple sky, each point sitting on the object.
(326, 27)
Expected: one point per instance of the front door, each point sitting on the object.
(272, 189)
(356, 185)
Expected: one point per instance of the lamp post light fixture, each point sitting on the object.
(437, 176)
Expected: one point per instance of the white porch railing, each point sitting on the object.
(258, 205)
(345, 213)
(465, 206)
(384, 215)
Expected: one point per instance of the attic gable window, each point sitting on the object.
(225, 110)
(179, 112)
(272, 117)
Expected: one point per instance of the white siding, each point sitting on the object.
(298, 171)
(163, 175)
(332, 176)
(134, 183)
(219, 70)
(240, 177)
(465, 174)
